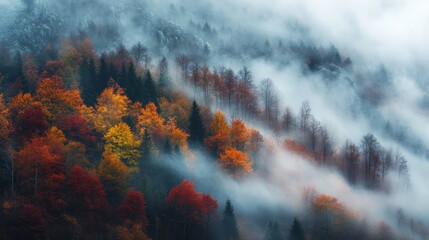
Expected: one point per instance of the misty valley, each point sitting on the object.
(207, 120)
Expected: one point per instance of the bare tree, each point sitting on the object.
(325, 144)
(140, 53)
(313, 131)
(206, 82)
(371, 158)
(268, 99)
(288, 120)
(401, 167)
(183, 62)
(196, 76)
(230, 84)
(386, 163)
(304, 113)
(351, 158)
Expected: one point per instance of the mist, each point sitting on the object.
(389, 35)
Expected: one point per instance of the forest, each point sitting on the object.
(103, 138)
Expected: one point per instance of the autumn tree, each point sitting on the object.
(219, 134)
(240, 135)
(113, 174)
(121, 141)
(330, 218)
(35, 162)
(77, 128)
(190, 207)
(5, 143)
(150, 120)
(32, 123)
(56, 99)
(229, 223)
(196, 126)
(235, 161)
(112, 106)
(133, 208)
(86, 193)
(30, 223)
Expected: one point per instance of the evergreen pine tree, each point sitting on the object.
(131, 83)
(273, 232)
(164, 79)
(149, 91)
(122, 78)
(84, 80)
(229, 222)
(196, 126)
(92, 82)
(112, 72)
(296, 232)
(103, 76)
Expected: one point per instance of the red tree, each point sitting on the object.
(29, 223)
(76, 128)
(86, 192)
(189, 203)
(133, 208)
(33, 123)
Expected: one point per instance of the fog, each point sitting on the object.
(372, 33)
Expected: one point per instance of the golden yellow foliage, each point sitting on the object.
(55, 139)
(113, 172)
(112, 106)
(121, 141)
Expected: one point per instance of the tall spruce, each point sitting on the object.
(229, 223)
(296, 232)
(113, 73)
(149, 91)
(131, 83)
(103, 75)
(273, 232)
(196, 128)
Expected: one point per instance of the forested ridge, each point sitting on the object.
(109, 144)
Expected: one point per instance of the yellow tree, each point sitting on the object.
(150, 120)
(235, 161)
(56, 139)
(121, 141)
(113, 173)
(112, 106)
(240, 135)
